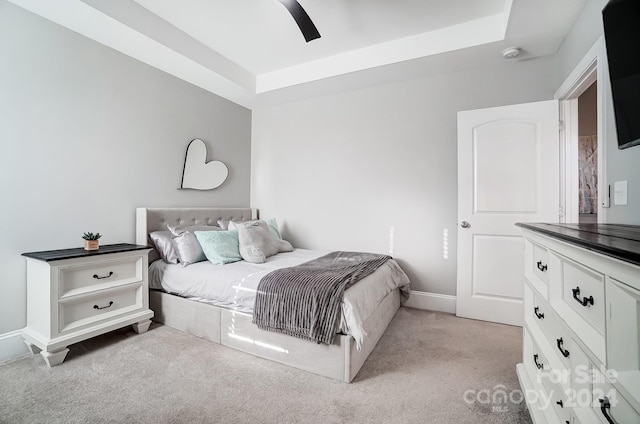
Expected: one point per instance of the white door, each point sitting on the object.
(508, 172)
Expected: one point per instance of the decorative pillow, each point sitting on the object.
(257, 242)
(162, 240)
(273, 225)
(220, 247)
(186, 243)
(224, 224)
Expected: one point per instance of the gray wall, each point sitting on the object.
(621, 165)
(583, 34)
(345, 168)
(86, 136)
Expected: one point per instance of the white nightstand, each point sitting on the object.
(74, 294)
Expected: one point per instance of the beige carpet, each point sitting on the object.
(428, 368)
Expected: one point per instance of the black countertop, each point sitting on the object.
(58, 255)
(616, 240)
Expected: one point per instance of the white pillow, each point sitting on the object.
(186, 243)
(163, 242)
(257, 242)
(272, 223)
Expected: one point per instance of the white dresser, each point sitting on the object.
(581, 362)
(74, 294)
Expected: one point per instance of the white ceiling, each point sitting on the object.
(252, 52)
(262, 37)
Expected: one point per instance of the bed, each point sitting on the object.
(230, 323)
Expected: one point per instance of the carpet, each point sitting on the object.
(429, 367)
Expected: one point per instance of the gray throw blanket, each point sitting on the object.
(304, 301)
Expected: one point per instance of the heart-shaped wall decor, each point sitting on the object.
(200, 174)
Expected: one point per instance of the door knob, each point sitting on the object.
(465, 224)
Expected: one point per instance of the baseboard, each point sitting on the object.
(432, 302)
(12, 345)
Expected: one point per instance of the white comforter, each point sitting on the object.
(234, 285)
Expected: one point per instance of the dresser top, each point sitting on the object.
(58, 255)
(616, 240)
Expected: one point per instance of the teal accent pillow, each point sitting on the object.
(220, 247)
(273, 227)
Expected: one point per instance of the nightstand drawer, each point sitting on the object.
(78, 279)
(76, 313)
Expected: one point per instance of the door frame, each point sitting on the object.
(591, 68)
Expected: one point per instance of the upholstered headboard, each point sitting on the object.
(156, 219)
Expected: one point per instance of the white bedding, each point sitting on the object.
(234, 285)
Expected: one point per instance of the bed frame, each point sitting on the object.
(339, 361)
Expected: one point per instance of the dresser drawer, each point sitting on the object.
(623, 327)
(102, 305)
(623, 337)
(537, 267)
(583, 291)
(534, 359)
(609, 403)
(545, 394)
(559, 337)
(93, 276)
(581, 375)
(540, 263)
(558, 401)
(537, 310)
(540, 315)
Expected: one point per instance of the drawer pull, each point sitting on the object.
(604, 406)
(585, 300)
(538, 314)
(103, 307)
(97, 277)
(541, 267)
(560, 403)
(535, 359)
(564, 351)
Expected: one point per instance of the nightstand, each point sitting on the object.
(75, 294)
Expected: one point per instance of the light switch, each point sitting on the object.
(620, 193)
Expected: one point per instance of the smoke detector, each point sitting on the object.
(510, 52)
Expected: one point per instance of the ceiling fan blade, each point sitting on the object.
(303, 20)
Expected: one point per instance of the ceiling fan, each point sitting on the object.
(308, 29)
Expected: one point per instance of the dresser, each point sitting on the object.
(75, 294)
(581, 335)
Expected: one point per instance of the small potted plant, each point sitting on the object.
(91, 241)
